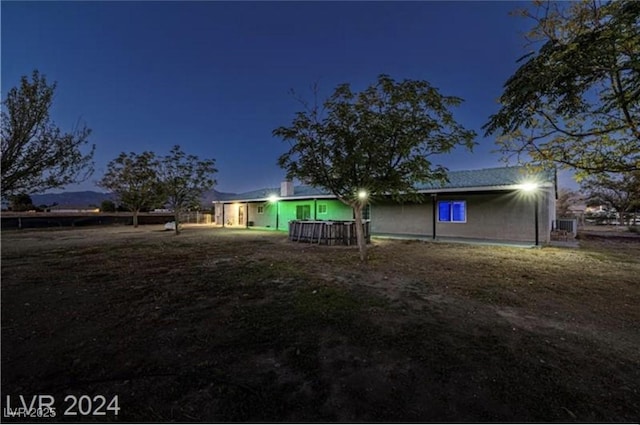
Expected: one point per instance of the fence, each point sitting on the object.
(327, 232)
(568, 224)
(41, 220)
(195, 217)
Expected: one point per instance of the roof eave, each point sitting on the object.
(287, 198)
(428, 191)
(480, 188)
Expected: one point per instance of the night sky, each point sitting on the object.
(215, 77)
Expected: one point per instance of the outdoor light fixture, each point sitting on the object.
(362, 194)
(529, 186)
(273, 198)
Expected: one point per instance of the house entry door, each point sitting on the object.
(240, 215)
(303, 212)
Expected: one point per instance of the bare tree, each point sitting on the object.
(35, 154)
(567, 198)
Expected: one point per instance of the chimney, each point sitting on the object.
(286, 188)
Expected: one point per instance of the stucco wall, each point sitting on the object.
(507, 216)
(230, 215)
(404, 219)
(336, 210)
(265, 219)
(217, 215)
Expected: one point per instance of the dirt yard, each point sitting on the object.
(241, 325)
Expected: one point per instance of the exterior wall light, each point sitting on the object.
(529, 187)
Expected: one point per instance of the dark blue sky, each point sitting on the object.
(214, 77)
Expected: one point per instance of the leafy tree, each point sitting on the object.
(35, 154)
(376, 142)
(575, 101)
(108, 206)
(621, 192)
(134, 180)
(21, 202)
(184, 179)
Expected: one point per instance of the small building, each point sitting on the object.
(161, 211)
(499, 204)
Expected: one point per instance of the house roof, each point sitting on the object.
(468, 180)
(490, 177)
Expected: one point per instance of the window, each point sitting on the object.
(260, 209)
(452, 211)
(303, 212)
(322, 208)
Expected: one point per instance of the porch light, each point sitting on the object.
(529, 186)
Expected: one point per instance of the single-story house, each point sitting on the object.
(501, 204)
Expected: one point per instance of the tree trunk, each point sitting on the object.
(135, 218)
(176, 219)
(362, 243)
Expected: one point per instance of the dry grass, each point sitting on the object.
(224, 325)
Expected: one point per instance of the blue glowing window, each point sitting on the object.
(452, 211)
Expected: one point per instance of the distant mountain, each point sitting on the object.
(88, 198)
(213, 195)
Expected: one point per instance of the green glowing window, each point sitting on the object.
(303, 212)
